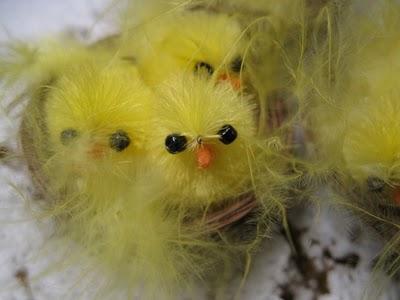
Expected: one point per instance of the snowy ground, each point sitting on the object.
(334, 252)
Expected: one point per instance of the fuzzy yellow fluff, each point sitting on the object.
(197, 109)
(97, 116)
(204, 170)
(37, 62)
(353, 111)
(189, 41)
(371, 147)
(348, 88)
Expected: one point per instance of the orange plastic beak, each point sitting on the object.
(233, 80)
(396, 196)
(204, 156)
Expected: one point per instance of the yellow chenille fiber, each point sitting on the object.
(348, 88)
(97, 105)
(36, 61)
(189, 41)
(197, 109)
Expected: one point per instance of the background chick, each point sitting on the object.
(351, 99)
(270, 28)
(370, 146)
(191, 41)
(361, 86)
(88, 123)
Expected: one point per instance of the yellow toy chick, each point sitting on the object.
(350, 93)
(98, 114)
(370, 142)
(206, 144)
(202, 139)
(89, 121)
(178, 41)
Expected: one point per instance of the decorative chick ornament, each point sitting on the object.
(177, 40)
(218, 173)
(96, 121)
(202, 139)
(371, 144)
(93, 133)
(207, 148)
(68, 123)
(351, 95)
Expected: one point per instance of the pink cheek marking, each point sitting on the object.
(96, 151)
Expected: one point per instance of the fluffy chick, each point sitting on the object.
(206, 144)
(352, 109)
(88, 123)
(191, 41)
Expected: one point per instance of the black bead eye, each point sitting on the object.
(375, 184)
(227, 134)
(203, 66)
(67, 135)
(119, 140)
(175, 143)
(236, 65)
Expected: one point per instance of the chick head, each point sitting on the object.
(371, 145)
(196, 42)
(201, 139)
(96, 117)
